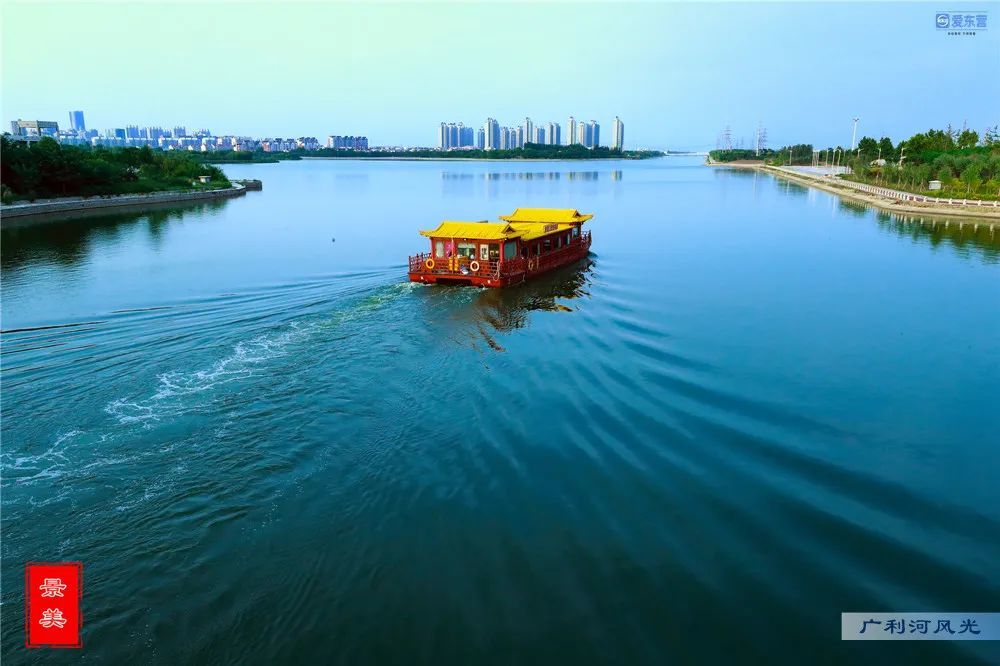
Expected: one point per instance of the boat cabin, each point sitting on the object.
(495, 254)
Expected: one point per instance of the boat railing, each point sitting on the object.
(461, 266)
(543, 262)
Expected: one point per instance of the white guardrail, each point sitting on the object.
(909, 196)
(903, 196)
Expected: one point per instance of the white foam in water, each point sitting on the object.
(243, 363)
(53, 454)
(173, 395)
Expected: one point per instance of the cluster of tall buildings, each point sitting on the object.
(451, 136)
(176, 138)
(492, 136)
(347, 142)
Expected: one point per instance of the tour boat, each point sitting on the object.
(526, 243)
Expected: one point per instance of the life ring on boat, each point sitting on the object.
(429, 264)
(532, 264)
(474, 266)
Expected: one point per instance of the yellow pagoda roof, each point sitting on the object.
(532, 230)
(547, 215)
(473, 230)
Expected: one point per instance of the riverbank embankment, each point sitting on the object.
(886, 199)
(20, 214)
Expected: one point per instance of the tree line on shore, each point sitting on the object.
(529, 151)
(967, 165)
(45, 169)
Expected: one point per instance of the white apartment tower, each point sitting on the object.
(617, 134)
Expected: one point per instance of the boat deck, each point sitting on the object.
(458, 270)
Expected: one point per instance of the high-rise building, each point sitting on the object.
(594, 132)
(617, 134)
(466, 136)
(581, 134)
(76, 121)
(443, 136)
(519, 141)
(132, 131)
(339, 142)
(34, 127)
(528, 131)
(492, 131)
(180, 132)
(539, 137)
(552, 134)
(505, 139)
(480, 138)
(571, 133)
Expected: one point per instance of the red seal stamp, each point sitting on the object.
(52, 598)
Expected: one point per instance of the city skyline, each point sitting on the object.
(493, 136)
(631, 67)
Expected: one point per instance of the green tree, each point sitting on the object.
(967, 139)
(868, 148)
(970, 176)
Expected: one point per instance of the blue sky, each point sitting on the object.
(675, 73)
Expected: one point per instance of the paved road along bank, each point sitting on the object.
(893, 200)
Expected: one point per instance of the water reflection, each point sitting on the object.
(68, 242)
(962, 235)
(532, 175)
(477, 314)
(507, 309)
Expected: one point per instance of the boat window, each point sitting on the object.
(510, 249)
(568, 237)
(558, 241)
(547, 245)
(576, 231)
(467, 250)
(438, 248)
(494, 250)
(484, 251)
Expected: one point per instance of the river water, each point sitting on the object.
(753, 408)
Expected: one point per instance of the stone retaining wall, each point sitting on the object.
(135, 201)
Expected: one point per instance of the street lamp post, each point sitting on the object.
(854, 134)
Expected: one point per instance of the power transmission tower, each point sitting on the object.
(761, 141)
(727, 139)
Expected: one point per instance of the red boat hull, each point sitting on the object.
(495, 274)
